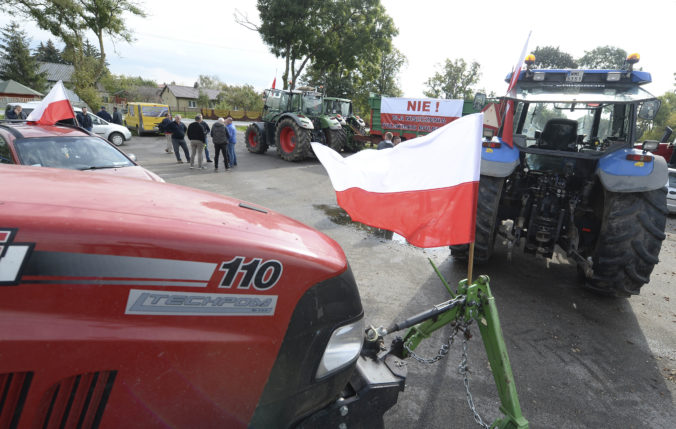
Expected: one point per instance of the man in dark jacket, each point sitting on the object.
(117, 116)
(177, 130)
(164, 128)
(219, 133)
(103, 114)
(196, 136)
(84, 120)
(15, 113)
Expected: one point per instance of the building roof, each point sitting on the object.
(56, 72)
(13, 87)
(190, 92)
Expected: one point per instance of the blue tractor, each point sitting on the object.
(573, 178)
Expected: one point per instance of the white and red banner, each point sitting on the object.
(424, 189)
(418, 114)
(54, 107)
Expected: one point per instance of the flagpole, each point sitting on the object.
(470, 263)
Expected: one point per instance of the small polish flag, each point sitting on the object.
(424, 189)
(508, 127)
(54, 107)
(274, 81)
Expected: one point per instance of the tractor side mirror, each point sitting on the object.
(650, 145)
(537, 135)
(479, 101)
(649, 109)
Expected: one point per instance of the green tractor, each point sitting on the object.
(291, 120)
(352, 124)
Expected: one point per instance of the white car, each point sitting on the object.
(114, 133)
(671, 191)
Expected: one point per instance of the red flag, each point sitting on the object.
(424, 189)
(274, 82)
(508, 123)
(54, 107)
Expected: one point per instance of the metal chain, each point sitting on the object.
(443, 350)
(462, 368)
(464, 371)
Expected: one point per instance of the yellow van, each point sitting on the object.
(145, 117)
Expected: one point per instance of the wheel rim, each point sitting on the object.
(117, 139)
(252, 139)
(287, 139)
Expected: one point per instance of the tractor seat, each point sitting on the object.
(559, 134)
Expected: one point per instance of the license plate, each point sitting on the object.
(575, 76)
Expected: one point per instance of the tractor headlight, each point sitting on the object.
(343, 348)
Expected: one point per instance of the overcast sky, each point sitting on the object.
(180, 40)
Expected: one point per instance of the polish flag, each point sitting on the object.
(274, 81)
(508, 127)
(424, 189)
(54, 107)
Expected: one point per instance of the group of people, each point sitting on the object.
(389, 141)
(85, 120)
(223, 134)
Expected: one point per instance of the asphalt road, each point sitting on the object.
(579, 361)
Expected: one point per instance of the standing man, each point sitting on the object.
(15, 113)
(117, 116)
(84, 120)
(232, 132)
(177, 130)
(387, 143)
(220, 136)
(164, 128)
(206, 128)
(196, 137)
(104, 115)
(396, 140)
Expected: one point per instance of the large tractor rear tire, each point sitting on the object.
(336, 139)
(629, 243)
(490, 190)
(255, 140)
(293, 142)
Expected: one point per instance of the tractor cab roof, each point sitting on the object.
(572, 86)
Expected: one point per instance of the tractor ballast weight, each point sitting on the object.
(573, 178)
(291, 120)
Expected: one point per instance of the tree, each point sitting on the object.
(242, 97)
(550, 57)
(344, 32)
(455, 80)
(203, 99)
(603, 57)
(48, 53)
(210, 82)
(19, 65)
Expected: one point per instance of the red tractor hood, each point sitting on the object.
(133, 217)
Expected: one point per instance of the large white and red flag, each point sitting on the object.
(508, 127)
(54, 107)
(424, 189)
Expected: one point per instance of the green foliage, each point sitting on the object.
(19, 65)
(133, 88)
(339, 35)
(202, 99)
(603, 57)
(550, 57)
(242, 97)
(49, 53)
(455, 80)
(210, 82)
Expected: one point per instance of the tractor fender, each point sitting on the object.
(260, 126)
(302, 121)
(618, 174)
(499, 161)
(330, 123)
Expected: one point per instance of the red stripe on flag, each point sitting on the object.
(56, 111)
(427, 218)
